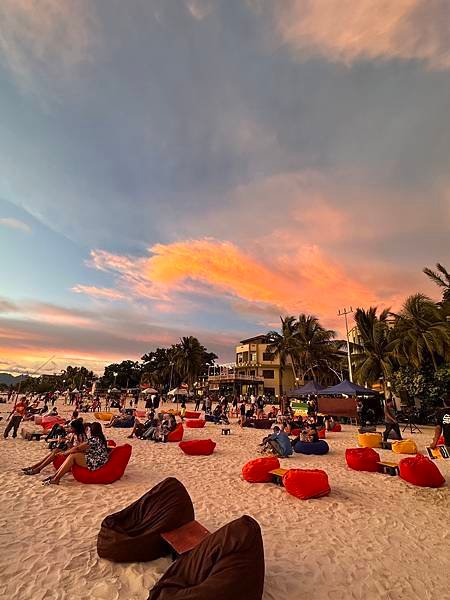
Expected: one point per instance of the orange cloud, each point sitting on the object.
(346, 31)
(303, 280)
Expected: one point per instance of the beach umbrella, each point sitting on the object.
(311, 388)
(179, 391)
(348, 388)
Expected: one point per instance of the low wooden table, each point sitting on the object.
(388, 468)
(226, 431)
(277, 475)
(185, 538)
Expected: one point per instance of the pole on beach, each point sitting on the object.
(344, 312)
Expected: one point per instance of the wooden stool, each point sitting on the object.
(388, 468)
(277, 475)
(226, 431)
(185, 538)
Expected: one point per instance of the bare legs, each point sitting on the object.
(72, 459)
(37, 468)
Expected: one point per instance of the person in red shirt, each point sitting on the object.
(15, 417)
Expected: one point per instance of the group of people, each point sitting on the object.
(279, 442)
(82, 444)
(154, 428)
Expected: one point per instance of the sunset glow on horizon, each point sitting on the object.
(204, 166)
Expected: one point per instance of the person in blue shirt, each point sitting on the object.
(278, 442)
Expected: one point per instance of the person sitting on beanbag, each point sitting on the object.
(277, 443)
(122, 420)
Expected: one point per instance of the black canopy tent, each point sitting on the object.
(332, 402)
(347, 388)
(311, 388)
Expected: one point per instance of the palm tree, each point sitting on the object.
(189, 358)
(420, 333)
(373, 356)
(317, 351)
(284, 345)
(440, 278)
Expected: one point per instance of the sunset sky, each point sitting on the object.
(176, 167)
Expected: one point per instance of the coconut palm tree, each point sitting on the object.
(318, 351)
(441, 277)
(284, 345)
(420, 333)
(373, 357)
(189, 359)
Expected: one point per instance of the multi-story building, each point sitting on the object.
(254, 360)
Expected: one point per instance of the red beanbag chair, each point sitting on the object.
(110, 472)
(190, 414)
(195, 424)
(306, 483)
(420, 470)
(321, 433)
(198, 447)
(258, 470)
(177, 434)
(441, 441)
(362, 459)
(111, 444)
(336, 428)
(48, 422)
(295, 432)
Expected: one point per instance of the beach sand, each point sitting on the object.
(374, 537)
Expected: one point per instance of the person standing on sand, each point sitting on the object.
(442, 424)
(15, 417)
(390, 420)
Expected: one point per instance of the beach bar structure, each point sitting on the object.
(226, 380)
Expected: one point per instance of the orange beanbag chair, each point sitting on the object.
(195, 423)
(370, 440)
(190, 414)
(258, 470)
(321, 433)
(306, 483)
(420, 470)
(198, 447)
(336, 428)
(362, 459)
(177, 434)
(109, 473)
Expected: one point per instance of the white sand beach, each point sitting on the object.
(374, 537)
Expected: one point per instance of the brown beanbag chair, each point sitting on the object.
(227, 565)
(258, 470)
(134, 533)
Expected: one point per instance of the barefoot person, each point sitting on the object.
(15, 417)
(74, 439)
(92, 455)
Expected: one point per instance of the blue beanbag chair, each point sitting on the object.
(320, 447)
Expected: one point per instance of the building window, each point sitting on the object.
(252, 373)
(269, 391)
(245, 356)
(268, 356)
(252, 356)
(268, 373)
(239, 358)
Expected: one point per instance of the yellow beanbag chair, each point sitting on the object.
(106, 416)
(369, 440)
(404, 447)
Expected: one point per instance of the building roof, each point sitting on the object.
(262, 338)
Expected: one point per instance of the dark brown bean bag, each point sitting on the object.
(227, 565)
(134, 533)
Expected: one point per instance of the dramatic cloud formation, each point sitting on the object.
(96, 292)
(15, 224)
(344, 30)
